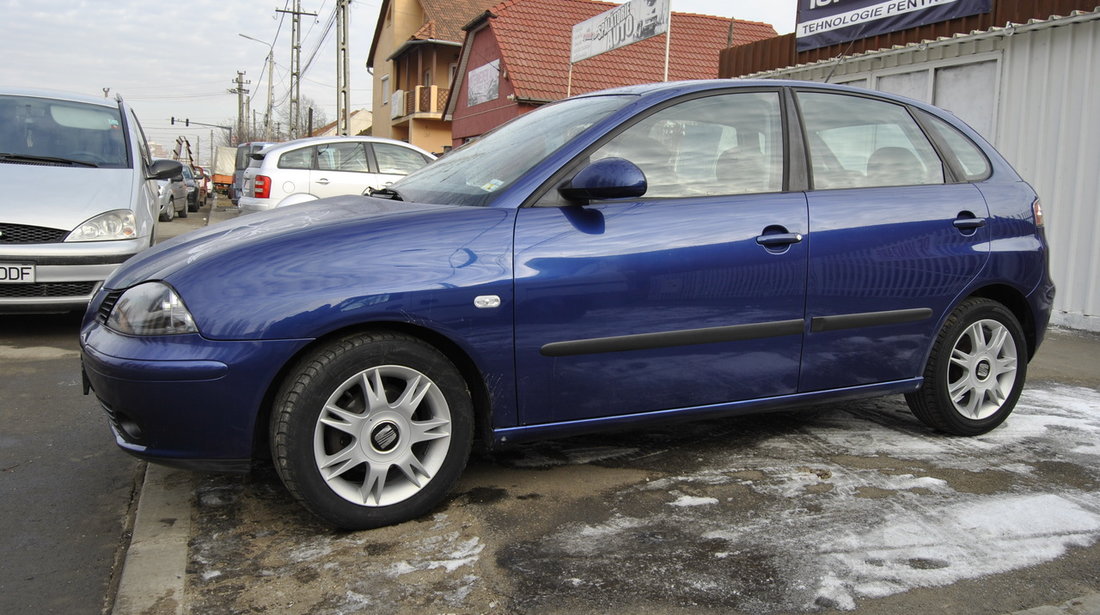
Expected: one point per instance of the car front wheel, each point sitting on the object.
(372, 429)
(169, 211)
(976, 370)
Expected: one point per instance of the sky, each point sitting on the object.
(180, 59)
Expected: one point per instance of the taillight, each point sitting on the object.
(261, 187)
(1037, 210)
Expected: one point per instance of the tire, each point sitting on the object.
(169, 212)
(183, 212)
(361, 460)
(975, 372)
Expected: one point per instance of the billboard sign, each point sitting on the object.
(623, 25)
(828, 22)
(483, 84)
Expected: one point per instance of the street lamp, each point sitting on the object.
(270, 82)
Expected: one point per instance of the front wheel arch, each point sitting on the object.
(479, 392)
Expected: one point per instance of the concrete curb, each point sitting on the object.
(155, 571)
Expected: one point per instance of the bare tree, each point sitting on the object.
(305, 103)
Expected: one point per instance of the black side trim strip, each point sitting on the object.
(667, 339)
(821, 324)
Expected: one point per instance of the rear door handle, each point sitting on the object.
(323, 181)
(778, 240)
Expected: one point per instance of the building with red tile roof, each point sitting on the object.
(523, 48)
(413, 58)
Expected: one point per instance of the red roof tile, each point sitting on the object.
(535, 37)
(445, 18)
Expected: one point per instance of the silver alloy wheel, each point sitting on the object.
(982, 371)
(382, 435)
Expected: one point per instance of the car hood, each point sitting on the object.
(61, 197)
(300, 271)
(244, 233)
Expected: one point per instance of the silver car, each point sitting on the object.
(172, 196)
(79, 197)
(318, 167)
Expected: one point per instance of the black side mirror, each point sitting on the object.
(164, 169)
(607, 178)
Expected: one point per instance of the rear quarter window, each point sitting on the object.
(968, 157)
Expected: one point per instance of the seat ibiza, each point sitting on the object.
(653, 253)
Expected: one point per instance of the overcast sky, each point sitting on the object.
(181, 58)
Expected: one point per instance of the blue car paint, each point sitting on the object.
(264, 288)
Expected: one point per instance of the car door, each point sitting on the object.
(340, 168)
(894, 241)
(692, 294)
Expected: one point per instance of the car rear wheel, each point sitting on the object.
(183, 212)
(372, 429)
(976, 370)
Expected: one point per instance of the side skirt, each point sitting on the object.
(527, 433)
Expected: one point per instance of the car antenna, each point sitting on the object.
(839, 61)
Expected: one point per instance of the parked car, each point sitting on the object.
(654, 253)
(318, 167)
(78, 196)
(202, 183)
(243, 159)
(191, 185)
(172, 195)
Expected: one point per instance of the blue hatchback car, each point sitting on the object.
(654, 253)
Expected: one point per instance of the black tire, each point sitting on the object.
(169, 213)
(183, 212)
(405, 454)
(975, 372)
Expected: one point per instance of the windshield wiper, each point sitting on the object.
(4, 156)
(386, 193)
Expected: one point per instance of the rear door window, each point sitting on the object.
(858, 142)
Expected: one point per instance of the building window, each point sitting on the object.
(385, 89)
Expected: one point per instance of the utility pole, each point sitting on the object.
(295, 65)
(242, 110)
(343, 75)
(270, 84)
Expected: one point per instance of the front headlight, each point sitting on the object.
(111, 226)
(152, 308)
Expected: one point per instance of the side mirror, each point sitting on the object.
(164, 169)
(607, 178)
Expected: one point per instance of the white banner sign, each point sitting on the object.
(629, 23)
(483, 84)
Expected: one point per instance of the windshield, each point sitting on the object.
(474, 173)
(47, 131)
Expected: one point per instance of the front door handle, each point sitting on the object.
(778, 240)
(968, 224)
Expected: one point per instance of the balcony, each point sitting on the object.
(425, 102)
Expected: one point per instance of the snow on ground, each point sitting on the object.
(857, 508)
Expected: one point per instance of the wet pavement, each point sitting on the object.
(839, 508)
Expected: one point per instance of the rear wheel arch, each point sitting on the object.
(479, 393)
(1015, 301)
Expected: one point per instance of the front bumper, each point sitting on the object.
(67, 275)
(183, 400)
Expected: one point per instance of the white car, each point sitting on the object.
(318, 167)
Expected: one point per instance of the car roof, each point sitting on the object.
(280, 147)
(58, 95)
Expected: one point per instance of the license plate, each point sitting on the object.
(16, 273)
